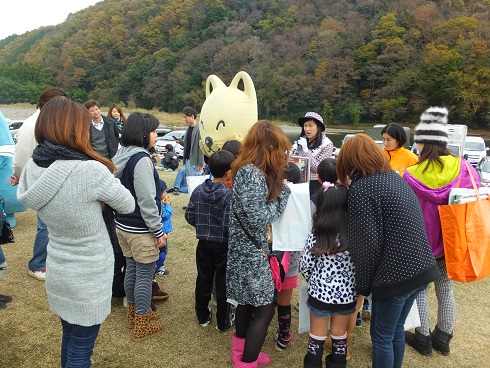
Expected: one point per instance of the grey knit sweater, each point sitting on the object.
(80, 264)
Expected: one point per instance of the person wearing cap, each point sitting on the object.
(314, 144)
(437, 172)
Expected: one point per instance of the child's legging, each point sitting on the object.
(253, 329)
(446, 304)
(137, 284)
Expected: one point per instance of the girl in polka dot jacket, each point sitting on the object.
(327, 267)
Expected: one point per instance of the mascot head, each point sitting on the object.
(227, 113)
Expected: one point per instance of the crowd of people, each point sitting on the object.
(375, 230)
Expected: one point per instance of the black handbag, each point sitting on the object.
(6, 235)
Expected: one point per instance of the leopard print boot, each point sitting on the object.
(132, 312)
(145, 327)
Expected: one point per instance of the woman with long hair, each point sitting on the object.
(387, 242)
(67, 182)
(115, 112)
(258, 198)
(432, 179)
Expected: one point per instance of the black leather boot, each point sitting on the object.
(440, 341)
(421, 343)
(307, 364)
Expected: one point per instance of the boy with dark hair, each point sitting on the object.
(208, 211)
(170, 161)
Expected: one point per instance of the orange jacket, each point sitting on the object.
(401, 158)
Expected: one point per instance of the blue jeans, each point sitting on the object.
(40, 252)
(387, 328)
(180, 181)
(191, 170)
(77, 345)
(2, 256)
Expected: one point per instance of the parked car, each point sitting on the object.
(475, 148)
(483, 169)
(168, 139)
(14, 126)
(162, 131)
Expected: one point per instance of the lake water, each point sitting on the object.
(292, 132)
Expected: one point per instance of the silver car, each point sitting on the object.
(168, 139)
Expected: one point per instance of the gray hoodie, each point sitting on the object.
(144, 186)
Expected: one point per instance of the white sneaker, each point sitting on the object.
(39, 275)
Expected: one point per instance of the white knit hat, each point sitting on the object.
(432, 128)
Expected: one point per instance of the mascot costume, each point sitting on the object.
(8, 192)
(227, 113)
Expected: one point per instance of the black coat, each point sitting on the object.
(387, 237)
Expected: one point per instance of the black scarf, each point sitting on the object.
(46, 153)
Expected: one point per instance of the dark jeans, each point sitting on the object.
(40, 251)
(77, 345)
(211, 263)
(387, 328)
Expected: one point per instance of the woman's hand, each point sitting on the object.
(302, 144)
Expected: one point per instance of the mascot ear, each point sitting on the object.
(212, 83)
(249, 88)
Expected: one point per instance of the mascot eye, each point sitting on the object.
(221, 122)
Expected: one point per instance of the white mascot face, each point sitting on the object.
(228, 112)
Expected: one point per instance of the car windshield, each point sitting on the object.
(169, 136)
(474, 146)
(486, 167)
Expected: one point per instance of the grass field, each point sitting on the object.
(30, 335)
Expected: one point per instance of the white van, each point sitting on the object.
(475, 148)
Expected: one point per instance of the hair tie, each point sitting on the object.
(326, 185)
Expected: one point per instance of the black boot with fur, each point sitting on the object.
(440, 341)
(421, 343)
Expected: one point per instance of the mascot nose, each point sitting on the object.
(208, 141)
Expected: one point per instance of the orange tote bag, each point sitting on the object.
(466, 237)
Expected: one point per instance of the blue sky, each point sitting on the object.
(20, 16)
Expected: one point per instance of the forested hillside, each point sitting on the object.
(353, 61)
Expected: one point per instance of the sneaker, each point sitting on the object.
(366, 313)
(162, 271)
(231, 323)
(358, 320)
(296, 307)
(281, 342)
(39, 275)
(207, 321)
(175, 191)
(170, 190)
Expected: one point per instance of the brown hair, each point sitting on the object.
(67, 123)
(265, 146)
(119, 109)
(360, 153)
(48, 94)
(431, 153)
